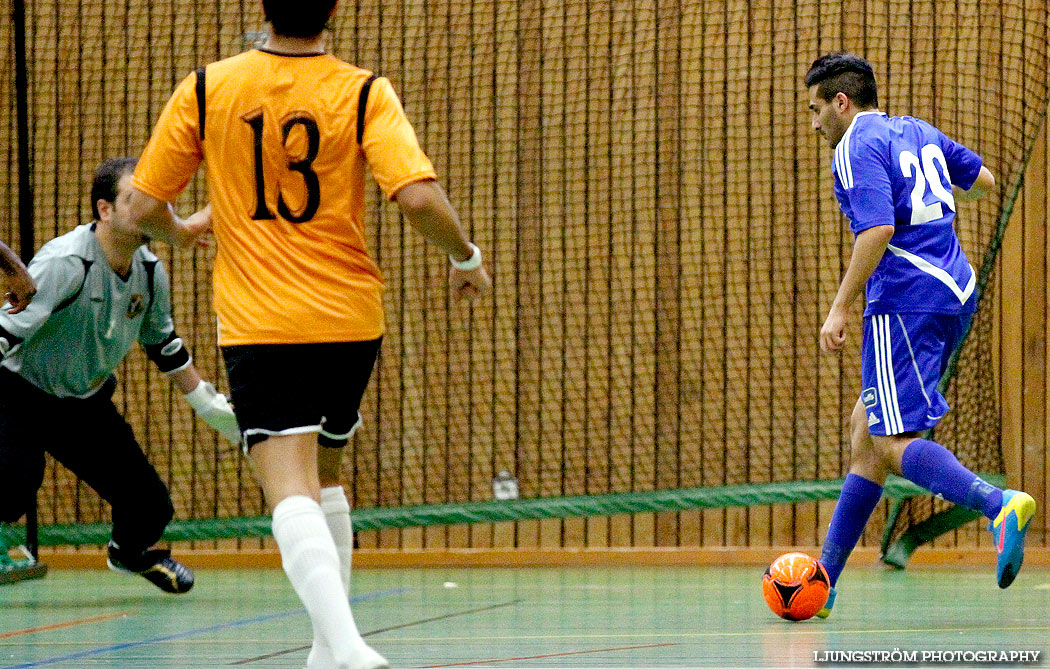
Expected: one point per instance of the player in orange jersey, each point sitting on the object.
(286, 132)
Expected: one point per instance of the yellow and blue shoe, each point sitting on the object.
(1008, 530)
(826, 611)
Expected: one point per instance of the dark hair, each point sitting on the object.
(302, 18)
(844, 73)
(107, 176)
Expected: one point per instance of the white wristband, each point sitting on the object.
(473, 262)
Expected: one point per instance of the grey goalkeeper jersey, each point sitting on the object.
(85, 318)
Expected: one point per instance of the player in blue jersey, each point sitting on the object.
(897, 180)
(99, 290)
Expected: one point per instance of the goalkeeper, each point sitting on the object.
(98, 291)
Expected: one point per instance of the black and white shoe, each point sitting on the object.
(156, 566)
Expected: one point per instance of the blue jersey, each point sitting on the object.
(899, 171)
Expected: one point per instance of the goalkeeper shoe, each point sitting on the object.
(826, 611)
(156, 566)
(1008, 530)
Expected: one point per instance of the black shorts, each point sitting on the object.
(280, 389)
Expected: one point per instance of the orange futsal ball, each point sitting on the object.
(795, 586)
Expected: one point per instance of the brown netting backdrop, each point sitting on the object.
(657, 214)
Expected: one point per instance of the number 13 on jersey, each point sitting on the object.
(304, 166)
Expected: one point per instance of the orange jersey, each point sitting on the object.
(286, 183)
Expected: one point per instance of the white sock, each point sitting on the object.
(310, 560)
(336, 509)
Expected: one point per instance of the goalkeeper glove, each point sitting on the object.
(214, 410)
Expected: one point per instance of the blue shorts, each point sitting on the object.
(903, 358)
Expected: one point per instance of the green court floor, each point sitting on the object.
(598, 617)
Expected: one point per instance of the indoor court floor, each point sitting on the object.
(544, 617)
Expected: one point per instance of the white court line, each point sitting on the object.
(698, 635)
(1042, 586)
(682, 635)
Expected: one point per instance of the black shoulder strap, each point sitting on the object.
(73, 298)
(200, 100)
(362, 105)
(151, 268)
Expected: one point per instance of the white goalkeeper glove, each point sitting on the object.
(214, 410)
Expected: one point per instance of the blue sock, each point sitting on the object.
(935, 468)
(858, 499)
